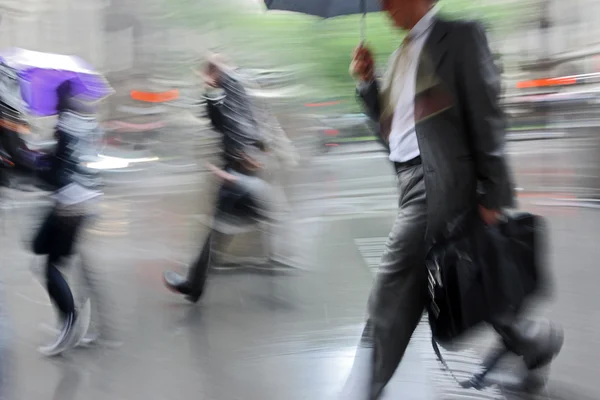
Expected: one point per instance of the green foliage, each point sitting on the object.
(288, 38)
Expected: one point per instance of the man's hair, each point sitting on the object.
(217, 62)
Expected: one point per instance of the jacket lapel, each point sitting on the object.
(435, 44)
(429, 99)
(431, 94)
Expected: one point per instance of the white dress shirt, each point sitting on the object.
(403, 137)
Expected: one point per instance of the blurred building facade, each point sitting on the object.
(554, 38)
(567, 34)
(130, 41)
(113, 35)
(58, 26)
(124, 37)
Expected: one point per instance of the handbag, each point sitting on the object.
(57, 234)
(477, 272)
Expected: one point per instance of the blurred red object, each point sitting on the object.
(546, 82)
(160, 97)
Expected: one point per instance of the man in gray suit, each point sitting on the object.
(439, 117)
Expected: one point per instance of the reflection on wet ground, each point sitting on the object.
(259, 336)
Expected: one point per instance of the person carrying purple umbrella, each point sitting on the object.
(44, 84)
(76, 190)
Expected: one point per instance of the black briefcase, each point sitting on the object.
(476, 272)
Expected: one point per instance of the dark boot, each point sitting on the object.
(193, 286)
(178, 284)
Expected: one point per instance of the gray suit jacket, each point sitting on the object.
(459, 124)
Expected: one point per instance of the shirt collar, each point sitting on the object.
(424, 23)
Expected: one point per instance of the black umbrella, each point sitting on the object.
(328, 8)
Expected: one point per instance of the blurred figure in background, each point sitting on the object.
(243, 198)
(77, 190)
(439, 117)
(279, 164)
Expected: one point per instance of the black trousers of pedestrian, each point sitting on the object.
(56, 239)
(230, 201)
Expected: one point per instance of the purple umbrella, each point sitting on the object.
(40, 74)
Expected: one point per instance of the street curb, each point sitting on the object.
(346, 153)
(515, 137)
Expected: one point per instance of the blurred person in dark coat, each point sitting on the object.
(438, 112)
(244, 198)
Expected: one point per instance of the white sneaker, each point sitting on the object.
(70, 334)
(64, 340)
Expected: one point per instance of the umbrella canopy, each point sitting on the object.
(40, 74)
(328, 8)
(325, 8)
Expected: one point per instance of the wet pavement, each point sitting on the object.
(256, 335)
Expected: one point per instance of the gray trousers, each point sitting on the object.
(92, 286)
(399, 295)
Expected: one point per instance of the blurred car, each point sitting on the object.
(561, 103)
(347, 129)
(135, 114)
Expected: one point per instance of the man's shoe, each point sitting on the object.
(178, 284)
(548, 342)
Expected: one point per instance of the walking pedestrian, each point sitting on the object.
(439, 117)
(243, 197)
(76, 191)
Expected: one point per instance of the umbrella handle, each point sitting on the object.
(363, 28)
(363, 21)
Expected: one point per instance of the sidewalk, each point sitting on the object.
(256, 337)
(351, 252)
(252, 337)
(350, 245)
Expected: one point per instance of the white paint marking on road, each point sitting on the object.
(371, 249)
